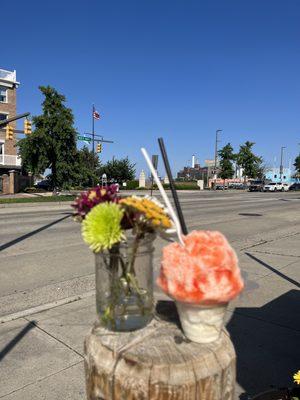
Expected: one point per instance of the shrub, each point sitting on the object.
(30, 190)
(132, 185)
(181, 186)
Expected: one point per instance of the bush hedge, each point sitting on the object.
(132, 185)
(181, 186)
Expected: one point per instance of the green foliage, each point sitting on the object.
(118, 170)
(227, 156)
(248, 160)
(30, 190)
(189, 186)
(132, 185)
(297, 164)
(33, 189)
(180, 186)
(261, 171)
(52, 144)
(87, 168)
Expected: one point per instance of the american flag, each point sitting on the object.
(96, 115)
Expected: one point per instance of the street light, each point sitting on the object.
(216, 157)
(281, 161)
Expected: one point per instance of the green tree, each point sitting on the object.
(297, 164)
(246, 159)
(52, 144)
(87, 168)
(261, 170)
(226, 157)
(119, 170)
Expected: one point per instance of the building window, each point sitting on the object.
(1, 149)
(3, 117)
(275, 176)
(3, 94)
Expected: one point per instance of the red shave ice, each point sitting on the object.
(204, 271)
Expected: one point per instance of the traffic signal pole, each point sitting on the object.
(8, 120)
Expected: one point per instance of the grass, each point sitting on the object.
(40, 199)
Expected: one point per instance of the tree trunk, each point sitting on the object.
(158, 363)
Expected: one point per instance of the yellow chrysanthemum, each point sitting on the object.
(154, 213)
(92, 195)
(101, 228)
(296, 377)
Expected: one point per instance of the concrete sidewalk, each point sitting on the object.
(42, 354)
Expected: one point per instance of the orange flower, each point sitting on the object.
(204, 271)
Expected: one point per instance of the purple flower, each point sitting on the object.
(89, 199)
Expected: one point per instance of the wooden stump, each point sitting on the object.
(158, 363)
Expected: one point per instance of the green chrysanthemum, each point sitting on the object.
(101, 228)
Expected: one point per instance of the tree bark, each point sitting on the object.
(158, 363)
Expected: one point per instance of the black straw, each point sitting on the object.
(172, 186)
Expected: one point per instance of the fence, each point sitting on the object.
(14, 182)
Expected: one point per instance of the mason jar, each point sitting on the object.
(124, 284)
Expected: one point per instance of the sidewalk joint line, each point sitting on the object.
(35, 323)
(42, 379)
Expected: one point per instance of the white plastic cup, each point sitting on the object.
(201, 324)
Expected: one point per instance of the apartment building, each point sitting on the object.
(8, 108)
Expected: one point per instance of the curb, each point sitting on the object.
(45, 307)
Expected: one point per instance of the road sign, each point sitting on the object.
(155, 161)
(84, 138)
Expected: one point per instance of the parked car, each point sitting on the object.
(295, 186)
(256, 186)
(276, 187)
(237, 186)
(241, 186)
(44, 184)
(221, 187)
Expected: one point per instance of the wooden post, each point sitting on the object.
(158, 363)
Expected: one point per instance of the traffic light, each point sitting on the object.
(27, 127)
(99, 148)
(9, 132)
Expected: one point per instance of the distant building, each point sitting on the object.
(192, 173)
(8, 108)
(238, 171)
(273, 174)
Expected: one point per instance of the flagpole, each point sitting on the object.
(93, 128)
(93, 141)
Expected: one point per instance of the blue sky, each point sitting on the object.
(176, 69)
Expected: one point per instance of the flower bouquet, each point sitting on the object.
(121, 232)
(202, 276)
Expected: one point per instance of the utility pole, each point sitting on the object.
(281, 161)
(216, 156)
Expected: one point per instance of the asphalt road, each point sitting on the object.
(43, 257)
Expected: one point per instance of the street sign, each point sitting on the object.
(84, 138)
(155, 160)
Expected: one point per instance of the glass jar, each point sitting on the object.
(124, 284)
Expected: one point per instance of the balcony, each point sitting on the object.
(10, 161)
(9, 77)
